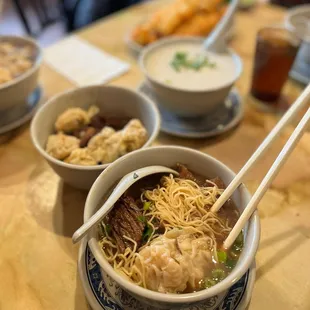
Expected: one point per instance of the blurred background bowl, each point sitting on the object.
(298, 21)
(112, 101)
(200, 163)
(184, 102)
(137, 48)
(16, 91)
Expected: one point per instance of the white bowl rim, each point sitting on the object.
(169, 40)
(293, 11)
(48, 157)
(232, 278)
(33, 68)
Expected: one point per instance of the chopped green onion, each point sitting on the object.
(176, 65)
(101, 230)
(218, 274)
(199, 62)
(147, 233)
(181, 60)
(108, 228)
(222, 256)
(180, 55)
(208, 283)
(239, 241)
(146, 205)
(142, 219)
(237, 246)
(148, 230)
(231, 263)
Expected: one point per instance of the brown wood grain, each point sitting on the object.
(38, 263)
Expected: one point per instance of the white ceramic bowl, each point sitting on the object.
(137, 48)
(16, 91)
(112, 101)
(295, 21)
(184, 102)
(200, 163)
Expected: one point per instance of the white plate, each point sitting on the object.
(222, 119)
(137, 48)
(99, 291)
(17, 116)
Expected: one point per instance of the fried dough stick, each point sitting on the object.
(171, 18)
(199, 25)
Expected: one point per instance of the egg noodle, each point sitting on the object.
(178, 204)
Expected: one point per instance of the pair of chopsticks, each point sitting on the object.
(302, 101)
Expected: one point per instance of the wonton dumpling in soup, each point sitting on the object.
(175, 261)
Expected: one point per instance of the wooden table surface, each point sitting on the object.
(38, 263)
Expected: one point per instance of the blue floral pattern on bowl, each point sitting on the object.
(112, 297)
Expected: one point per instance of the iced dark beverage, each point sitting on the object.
(276, 49)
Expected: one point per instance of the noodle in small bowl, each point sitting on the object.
(188, 198)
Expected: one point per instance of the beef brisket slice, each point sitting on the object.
(124, 222)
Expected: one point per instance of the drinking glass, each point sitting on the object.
(276, 48)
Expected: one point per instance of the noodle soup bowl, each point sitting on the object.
(202, 164)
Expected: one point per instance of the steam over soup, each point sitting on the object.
(183, 65)
(162, 236)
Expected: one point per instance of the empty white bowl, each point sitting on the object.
(198, 162)
(16, 91)
(188, 102)
(112, 101)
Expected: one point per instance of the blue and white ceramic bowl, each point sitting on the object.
(103, 293)
(196, 161)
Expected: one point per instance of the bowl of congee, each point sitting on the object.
(160, 242)
(188, 80)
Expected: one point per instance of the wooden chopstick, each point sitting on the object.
(301, 101)
(266, 182)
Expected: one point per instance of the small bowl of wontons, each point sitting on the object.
(20, 60)
(160, 242)
(81, 131)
